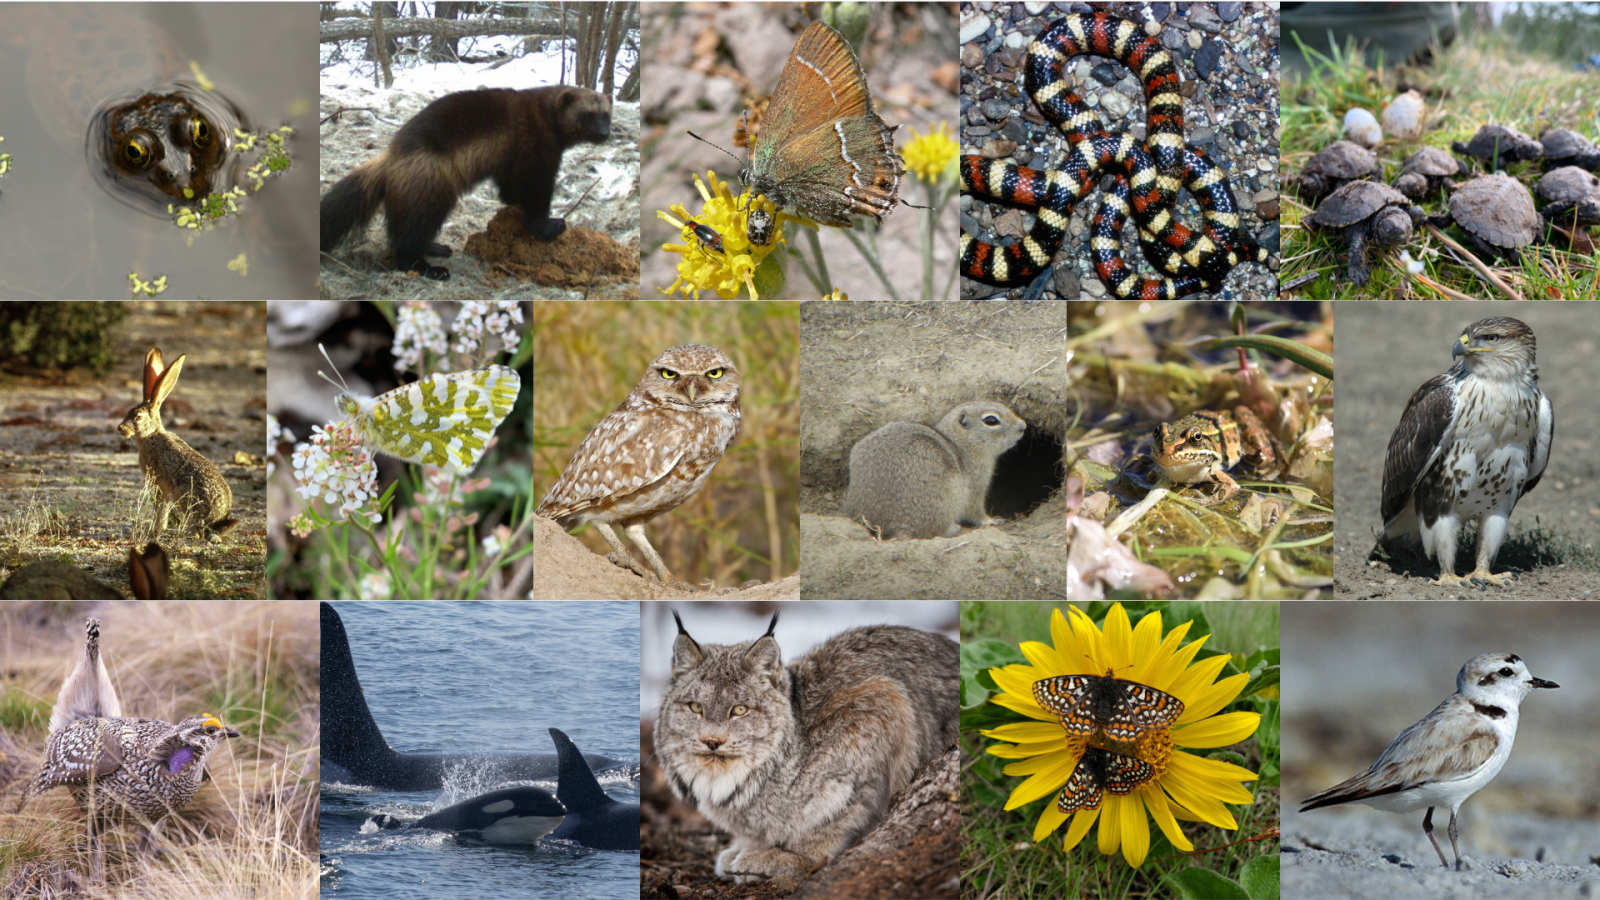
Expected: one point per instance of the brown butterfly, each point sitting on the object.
(1122, 709)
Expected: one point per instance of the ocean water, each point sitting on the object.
(485, 676)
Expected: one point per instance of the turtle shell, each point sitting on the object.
(1343, 159)
(1562, 143)
(1567, 184)
(1432, 162)
(1511, 144)
(1497, 209)
(1354, 202)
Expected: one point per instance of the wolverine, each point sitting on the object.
(455, 142)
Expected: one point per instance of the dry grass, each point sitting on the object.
(252, 830)
(744, 524)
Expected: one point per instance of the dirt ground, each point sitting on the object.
(70, 485)
(706, 62)
(1386, 350)
(866, 364)
(362, 265)
(564, 569)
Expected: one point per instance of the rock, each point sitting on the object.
(1362, 128)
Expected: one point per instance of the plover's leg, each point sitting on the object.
(1427, 829)
(1453, 848)
(636, 534)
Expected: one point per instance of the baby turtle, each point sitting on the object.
(1563, 147)
(1497, 145)
(1425, 171)
(1571, 194)
(1368, 212)
(1336, 164)
(1497, 212)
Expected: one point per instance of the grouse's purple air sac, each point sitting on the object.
(178, 760)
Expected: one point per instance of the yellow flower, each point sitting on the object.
(1184, 786)
(930, 154)
(724, 270)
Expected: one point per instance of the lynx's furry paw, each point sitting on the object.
(743, 865)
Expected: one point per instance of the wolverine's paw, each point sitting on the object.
(421, 267)
(546, 230)
(440, 250)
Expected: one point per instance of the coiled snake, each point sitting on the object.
(1146, 177)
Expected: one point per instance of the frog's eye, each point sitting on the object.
(136, 152)
(199, 132)
(1194, 434)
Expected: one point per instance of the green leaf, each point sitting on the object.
(977, 656)
(1203, 884)
(1266, 678)
(1260, 877)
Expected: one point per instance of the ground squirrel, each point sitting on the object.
(912, 480)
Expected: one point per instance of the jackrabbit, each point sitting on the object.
(55, 580)
(181, 475)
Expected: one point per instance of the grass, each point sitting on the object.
(252, 831)
(743, 524)
(1484, 78)
(999, 857)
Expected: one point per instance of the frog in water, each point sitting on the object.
(99, 74)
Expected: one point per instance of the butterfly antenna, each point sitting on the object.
(338, 384)
(709, 144)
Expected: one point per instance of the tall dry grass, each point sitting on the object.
(251, 832)
(587, 358)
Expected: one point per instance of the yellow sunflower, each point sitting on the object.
(1180, 785)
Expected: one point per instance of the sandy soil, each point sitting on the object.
(564, 569)
(705, 63)
(1386, 351)
(868, 364)
(70, 487)
(362, 267)
(1530, 833)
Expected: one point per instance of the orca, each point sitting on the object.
(519, 815)
(593, 819)
(354, 751)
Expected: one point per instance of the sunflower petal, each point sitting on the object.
(1082, 821)
(1156, 803)
(1044, 783)
(1049, 821)
(1135, 830)
(1119, 637)
(1110, 825)
(1026, 732)
(1217, 731)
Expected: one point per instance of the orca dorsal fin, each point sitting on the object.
(348, 729)
(576, 786)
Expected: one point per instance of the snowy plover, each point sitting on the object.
(1449, 755)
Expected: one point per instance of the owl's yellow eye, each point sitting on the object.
(714, 373)
(696, 708)
(668, 374)
(136, 152)
(740, 710)
(199, 133)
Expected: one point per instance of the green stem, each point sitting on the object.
(823, 282)
(929, 217)
(872, 260)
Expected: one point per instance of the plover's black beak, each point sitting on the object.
(1540, 682)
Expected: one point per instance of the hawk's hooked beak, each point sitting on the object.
(1461, 348)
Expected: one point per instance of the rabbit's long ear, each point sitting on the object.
(152, 371)
(167, 380)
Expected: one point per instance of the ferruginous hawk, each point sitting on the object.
(1470, 443)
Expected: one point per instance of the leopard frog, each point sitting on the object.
(1204, 444)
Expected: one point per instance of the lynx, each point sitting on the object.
(798, 762)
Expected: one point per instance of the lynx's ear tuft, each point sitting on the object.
(764, 657)
(686, 653)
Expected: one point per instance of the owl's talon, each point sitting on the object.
(623, 560)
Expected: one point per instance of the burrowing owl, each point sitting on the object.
(651, 453)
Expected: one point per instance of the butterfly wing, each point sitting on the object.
(1069, 697)
(1122, 774)
(1083, 788)
(1137, 709)
(821, 82)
